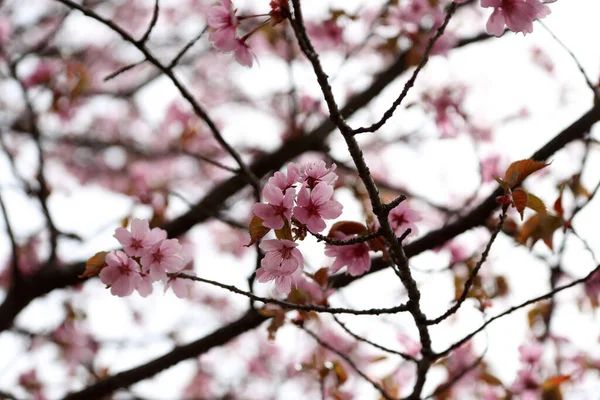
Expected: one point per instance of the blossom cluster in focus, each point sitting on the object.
(147, 257)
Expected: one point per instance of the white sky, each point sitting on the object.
(486, 67)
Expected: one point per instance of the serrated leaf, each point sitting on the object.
(519, 198)
(536, 204)
(94, 265)
(257, 230)
(519, 170)
(347, 228)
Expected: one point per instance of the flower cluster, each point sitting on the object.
(147, 257)
(314, 202)
(311, 190)
(517, 15)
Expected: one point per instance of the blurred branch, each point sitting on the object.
(347, 359)
(546, 296)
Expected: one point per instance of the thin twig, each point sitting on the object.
(473, 274)
(293, 306)
(347, 242)
(152, 23)
(252, 179)
(185, 48)
(410, 83)
(16, 272)
(367, 341)
(545, 296)
(329, 347)
(574, 57)
(121, 70)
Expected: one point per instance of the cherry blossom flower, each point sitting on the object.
(181, 287)
(317, 172)
(137, 242)
(282, 259)
(316, 206)
(287, 180)
(279, 207)
(144, 286)
(164, 256)
(517, 15)
(223, 19)
(490, 167)
(401, 218)
(527, 384)
(355, 256)
(327, 34)
(121, 274)
(242, 53)
(42, 74)
(531, 354)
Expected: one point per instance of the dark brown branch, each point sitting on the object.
(152, 23)
(122, 380)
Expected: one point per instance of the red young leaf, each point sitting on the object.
(257, 230)
(519, 170)
(558, 206)
(347, 228)
(94, 265)
(519, 197)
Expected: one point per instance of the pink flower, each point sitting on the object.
(121, 274)
(313, 208)
(531, 354)
(42, 74)
(222, 18)
(317, 172)
(224, 39)
(517, 15)
(287, 180)
(327, 34)
(242, 53)
(401, 218)
(527, 384)
(165, 256)
(279, 207)
(144, 286)
(282, 259)
(141, 238)
(355, 257)
(181, 287)
(490, 167)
